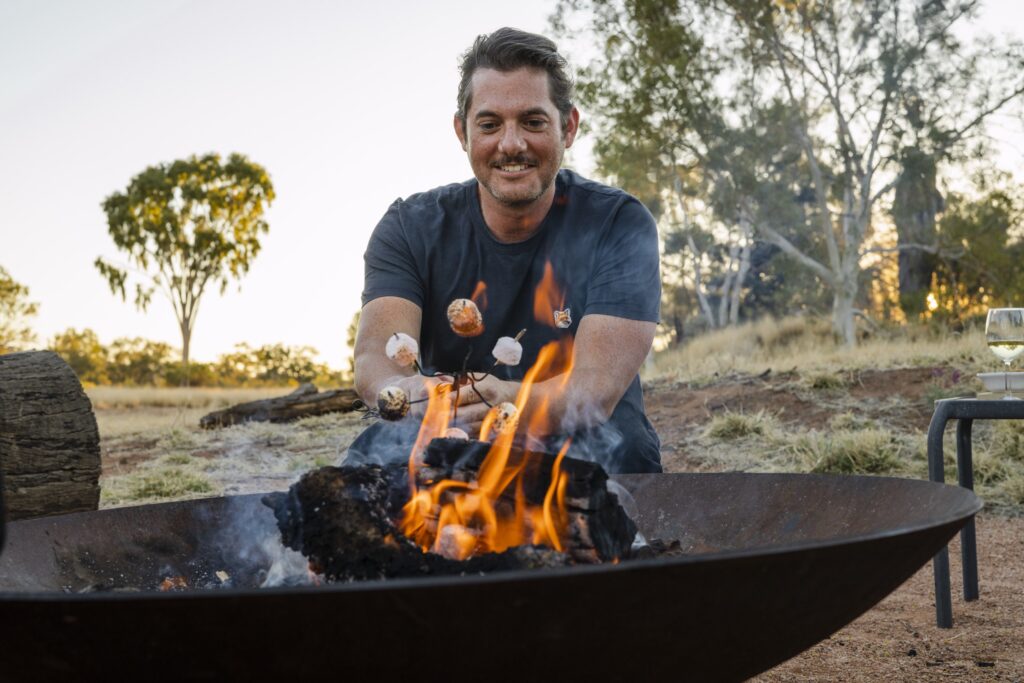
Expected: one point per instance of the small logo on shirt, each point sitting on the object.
(563, 319)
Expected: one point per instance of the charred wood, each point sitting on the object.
(343, 519)
(340, 518)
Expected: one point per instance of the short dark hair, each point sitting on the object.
(508, 49)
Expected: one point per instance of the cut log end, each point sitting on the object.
(49, 441)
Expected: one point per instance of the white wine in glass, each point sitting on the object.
(1004, 332)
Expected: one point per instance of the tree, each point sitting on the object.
(15, 309)
(982, 242)
(83, 352)
(138, 362)
(350, 341)
(184, 226)
(851, 85)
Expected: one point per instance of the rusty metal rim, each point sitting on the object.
(969, 505)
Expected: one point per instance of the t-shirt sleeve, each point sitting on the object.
(390, 266)
(626, 280)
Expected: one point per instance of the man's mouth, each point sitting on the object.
(514, 166)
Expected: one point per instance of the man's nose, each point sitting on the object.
(512, 141)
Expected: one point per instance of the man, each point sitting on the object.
(520, 219)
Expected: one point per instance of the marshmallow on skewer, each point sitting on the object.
(465, 318)
(402, 349)
(392, 403)
(506, 417)
(507, 351)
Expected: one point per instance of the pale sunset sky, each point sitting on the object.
(347, 105)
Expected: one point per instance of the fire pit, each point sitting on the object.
(775, 564)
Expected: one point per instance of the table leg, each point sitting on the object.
(965, 476)
(940, 565)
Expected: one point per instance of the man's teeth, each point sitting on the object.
(514, 168)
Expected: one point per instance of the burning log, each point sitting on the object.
(346, 519)
(340, 518)
(49, 441)
(306, 401)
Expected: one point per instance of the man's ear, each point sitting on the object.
(572, 126)
(460, 132)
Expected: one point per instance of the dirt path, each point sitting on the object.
(898, 639)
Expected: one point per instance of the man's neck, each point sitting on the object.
(511, 224)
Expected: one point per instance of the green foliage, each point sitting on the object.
(981, 252)
(85, 354)
(15, 308)
(143, 362)
(785, 118)
(186, 225)
(271, 365)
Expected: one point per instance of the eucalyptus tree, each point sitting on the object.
(855, 86)
(184, 226)
(15, 310)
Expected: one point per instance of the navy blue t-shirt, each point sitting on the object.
(600, 246)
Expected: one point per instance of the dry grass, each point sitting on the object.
(731, 426)
(169, 460)
(807, 345)
(845, 451)
(209, 398)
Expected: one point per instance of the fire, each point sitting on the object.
(459, 519)
(548, 299)
(479, 296)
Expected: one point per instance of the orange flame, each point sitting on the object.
(548, 298)
(480, 295)
(459, 519)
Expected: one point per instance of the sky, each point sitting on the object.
(347, 105)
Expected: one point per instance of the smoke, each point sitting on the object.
(383, 443)
(250, 542)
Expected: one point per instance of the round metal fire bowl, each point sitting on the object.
(778, 563)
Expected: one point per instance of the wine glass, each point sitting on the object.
(1004, 332)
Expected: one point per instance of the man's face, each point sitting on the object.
(513, 135)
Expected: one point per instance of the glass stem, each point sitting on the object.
(1006, 379)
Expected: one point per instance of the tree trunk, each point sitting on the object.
(186, 338)
(49, 442)
(842, 312)
(916, 202)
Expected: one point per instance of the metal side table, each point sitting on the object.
(965, 411)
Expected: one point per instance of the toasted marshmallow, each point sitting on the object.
(392, 403)
(465, 318)
(402, 349)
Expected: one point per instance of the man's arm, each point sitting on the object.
(607, 355)
(380, 319)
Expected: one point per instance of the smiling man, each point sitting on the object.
(539, 248)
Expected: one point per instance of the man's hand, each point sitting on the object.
(472, 409)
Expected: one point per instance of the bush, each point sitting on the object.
(729, 426)
(866, 451)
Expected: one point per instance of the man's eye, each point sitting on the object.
(488, 126)
(536, 123)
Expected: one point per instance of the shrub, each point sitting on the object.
(729, 426)
(866, 451)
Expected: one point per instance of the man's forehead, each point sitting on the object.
(522, 90)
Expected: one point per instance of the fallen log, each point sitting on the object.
(49, 441)
(306, 401)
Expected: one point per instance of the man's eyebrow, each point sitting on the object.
(487, 113)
